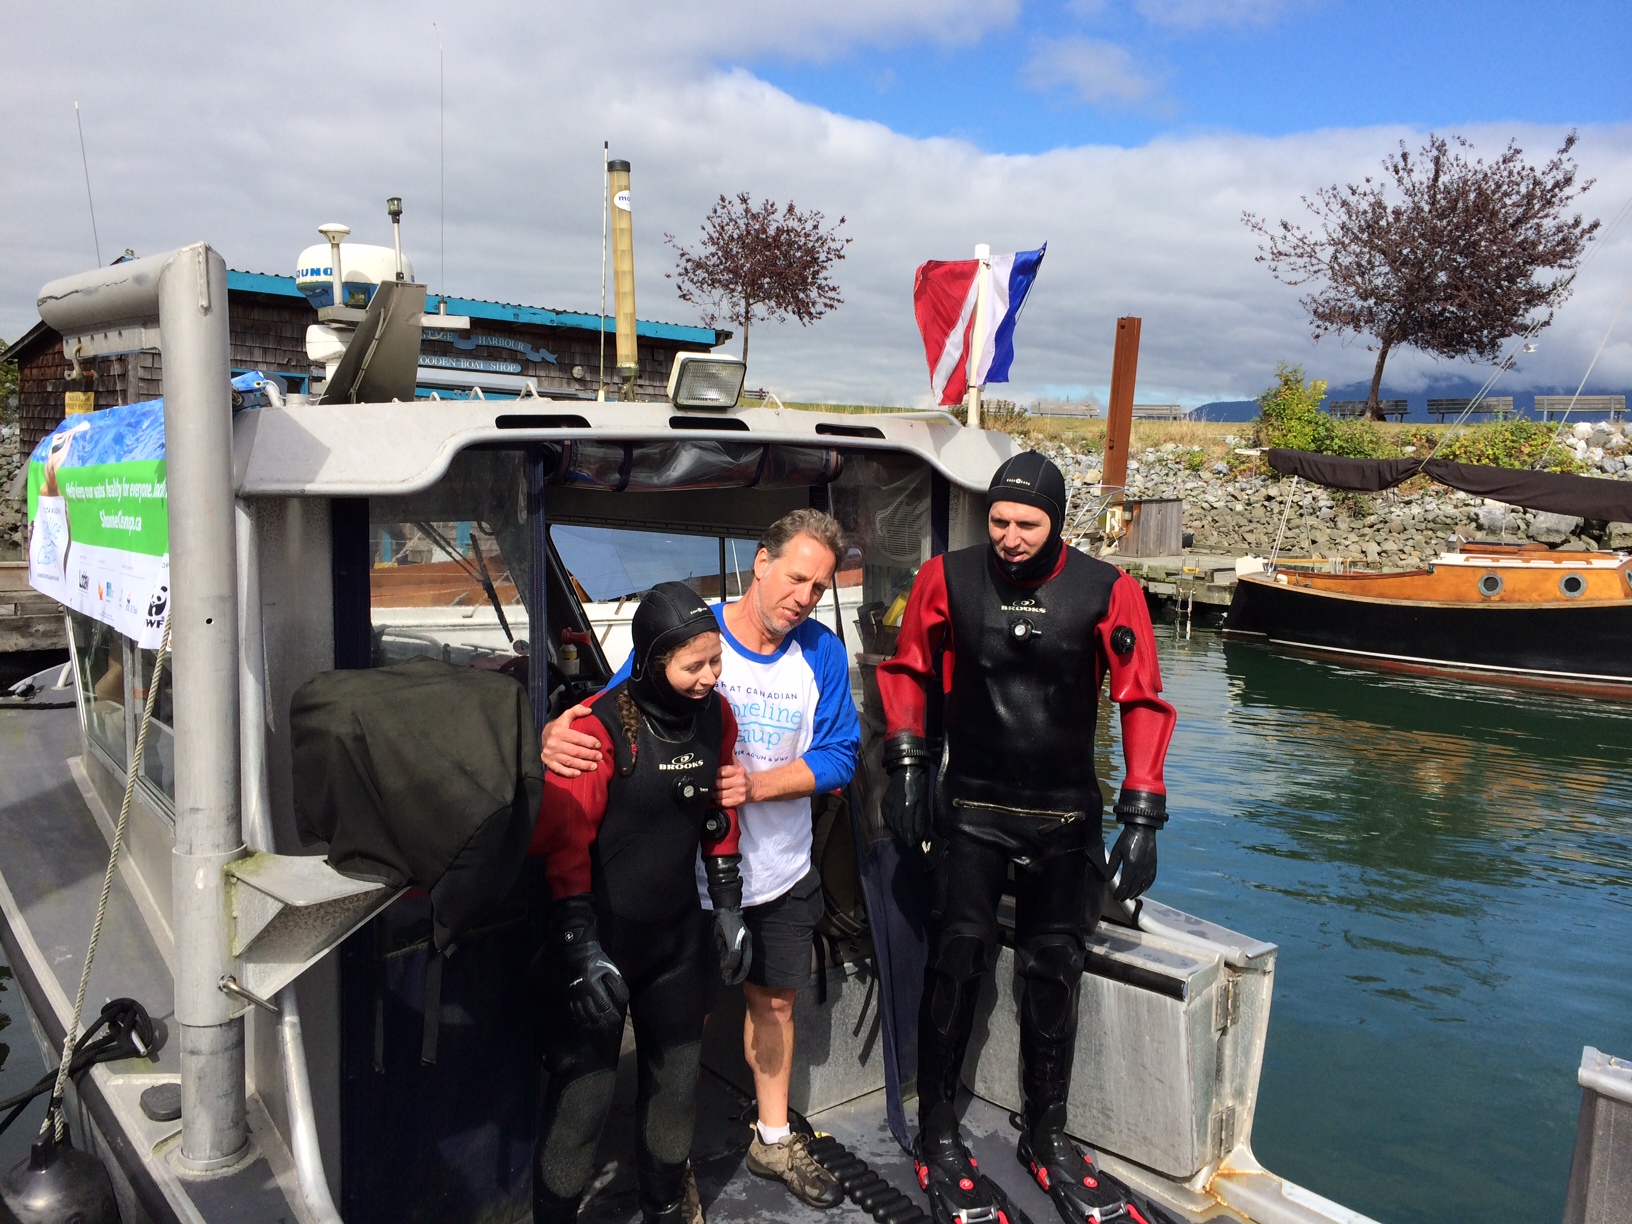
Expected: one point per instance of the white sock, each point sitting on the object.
(772, 1135)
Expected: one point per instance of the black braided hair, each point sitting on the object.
(629, 716)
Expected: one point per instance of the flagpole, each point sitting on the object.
(983, 289)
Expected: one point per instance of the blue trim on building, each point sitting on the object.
(504, 312)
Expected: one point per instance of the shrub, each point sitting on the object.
(1289, 412)
(1510, 444)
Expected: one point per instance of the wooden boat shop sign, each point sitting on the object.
(99, 535)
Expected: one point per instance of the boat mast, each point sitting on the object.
(177, 303)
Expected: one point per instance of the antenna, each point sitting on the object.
(85, 162)
(442, 165)
(600, 377)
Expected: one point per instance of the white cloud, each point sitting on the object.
(1097, 72)
(236, 128)
(1199, 14)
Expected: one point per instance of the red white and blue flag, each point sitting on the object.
(944, 294)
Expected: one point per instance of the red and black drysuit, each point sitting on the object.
(621, 845)
(1017, 663)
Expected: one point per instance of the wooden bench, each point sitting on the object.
(1586, 407)
(1393, 410)
(1497, 407)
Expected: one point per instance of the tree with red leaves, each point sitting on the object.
(760, 261)
(1454, 266)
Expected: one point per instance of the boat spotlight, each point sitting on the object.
(706, 380)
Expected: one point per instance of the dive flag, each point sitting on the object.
(944, 294)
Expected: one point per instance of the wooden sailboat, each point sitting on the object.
(1518, 613)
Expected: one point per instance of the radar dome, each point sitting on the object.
(363, 267)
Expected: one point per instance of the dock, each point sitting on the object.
(1201, 578)
(28, 620)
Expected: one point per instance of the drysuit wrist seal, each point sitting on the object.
(1146, 808)
(724, 872)
(573, 925)
(905, 748)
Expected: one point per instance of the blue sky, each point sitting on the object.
(1066, 74)
(1130, 135)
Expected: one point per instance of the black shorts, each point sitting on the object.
(783, 930)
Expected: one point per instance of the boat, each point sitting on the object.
(310, 1056)
(1519, 614)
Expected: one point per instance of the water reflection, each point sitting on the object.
(1445, 867)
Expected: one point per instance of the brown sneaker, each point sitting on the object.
(691, 1205)
(791, 1163)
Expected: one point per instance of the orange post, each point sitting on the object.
(1119, 416)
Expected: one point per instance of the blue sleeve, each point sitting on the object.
(836, 737)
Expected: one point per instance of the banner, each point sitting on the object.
(99, 528)
(99, 538)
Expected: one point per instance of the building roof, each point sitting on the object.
(504, 312)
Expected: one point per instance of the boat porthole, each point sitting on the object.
(1572, 585)
(1490, 584)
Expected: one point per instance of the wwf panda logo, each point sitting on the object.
(157, 606)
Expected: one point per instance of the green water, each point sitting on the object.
(1446, 869)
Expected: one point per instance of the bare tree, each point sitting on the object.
(760, 261)
(1454, 266)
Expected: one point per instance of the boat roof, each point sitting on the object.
(501, 312)
(378, 450)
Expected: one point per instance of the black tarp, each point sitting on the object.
(1586, 497)
(419, 774)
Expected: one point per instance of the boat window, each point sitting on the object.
(882, 501)
(99, 655)
(159, 757)
(1572, 585)
(1490, 584)
(611, 567)
(449, 566)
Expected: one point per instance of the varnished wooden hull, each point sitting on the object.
(1560, 643)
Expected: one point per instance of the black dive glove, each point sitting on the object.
(1141, 814)
(596, 993)
(906, 797)
(730, 935)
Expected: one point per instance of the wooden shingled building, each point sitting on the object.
(507, 348)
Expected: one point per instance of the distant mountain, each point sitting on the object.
(1227, 410)
(1416, 401)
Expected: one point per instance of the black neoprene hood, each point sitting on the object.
(670, 615)
(1033, 480)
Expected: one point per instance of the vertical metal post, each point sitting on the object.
(977, 333)
(538, 619)
(1119, 415)
(204, 638)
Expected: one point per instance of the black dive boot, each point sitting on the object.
(662, 1192)
(1081, 1193)
(959, 1193)
(551, 1208)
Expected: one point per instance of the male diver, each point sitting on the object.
(1018, 637)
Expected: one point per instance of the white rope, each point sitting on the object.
(70, 1039)
(1285, 514)
(1570, 407)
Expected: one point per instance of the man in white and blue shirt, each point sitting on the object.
(787, 679)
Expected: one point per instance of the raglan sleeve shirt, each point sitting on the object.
(836, 733)
(572, 809)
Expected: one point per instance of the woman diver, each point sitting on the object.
(627, 931)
